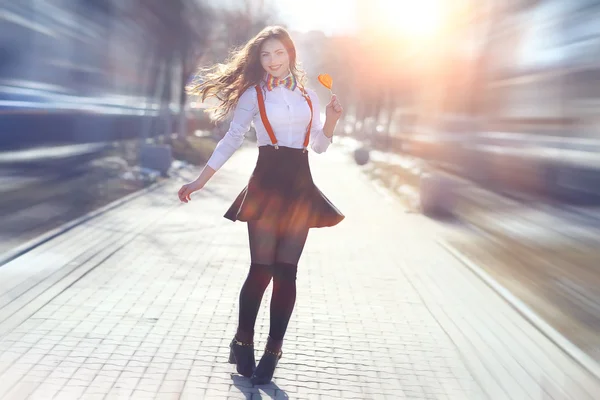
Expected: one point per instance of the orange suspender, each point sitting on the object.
(263, 116)
(267, 124)
(307, 136)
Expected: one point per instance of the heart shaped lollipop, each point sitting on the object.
(326, 81)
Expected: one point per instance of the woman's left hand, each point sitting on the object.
(334, 109)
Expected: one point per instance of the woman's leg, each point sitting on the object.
(262, 236)
(289, 249)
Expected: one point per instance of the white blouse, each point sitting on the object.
(288, 113)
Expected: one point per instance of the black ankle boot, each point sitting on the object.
(263, 373)
(242, 354)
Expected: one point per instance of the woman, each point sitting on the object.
(262, 84)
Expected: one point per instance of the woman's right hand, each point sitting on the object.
(186, 191)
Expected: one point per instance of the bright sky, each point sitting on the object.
(329, 16)
(417, 18)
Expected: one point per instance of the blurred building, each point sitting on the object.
(509, 98)
(93, 70)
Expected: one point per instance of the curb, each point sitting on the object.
(571, 350)
(32, 244)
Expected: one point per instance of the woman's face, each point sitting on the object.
(274, 58)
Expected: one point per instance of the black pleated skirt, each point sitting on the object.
(281, 187)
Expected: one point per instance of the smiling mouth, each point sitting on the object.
(275, 68)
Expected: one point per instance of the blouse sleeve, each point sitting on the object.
(244, 112)
(319, 142)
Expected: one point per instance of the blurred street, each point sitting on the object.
(544, 254)
(43, 189)
(140, 302)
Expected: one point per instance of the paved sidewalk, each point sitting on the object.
(141, 302)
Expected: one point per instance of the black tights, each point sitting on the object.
(275, 249)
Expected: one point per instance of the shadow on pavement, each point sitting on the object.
(270, 391)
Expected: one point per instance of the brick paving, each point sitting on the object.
(141, 302)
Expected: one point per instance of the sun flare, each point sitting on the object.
(416, 18)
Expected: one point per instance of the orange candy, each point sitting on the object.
(326, 80)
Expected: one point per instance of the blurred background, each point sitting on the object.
(482, 115)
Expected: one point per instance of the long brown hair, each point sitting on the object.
(243, 69)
